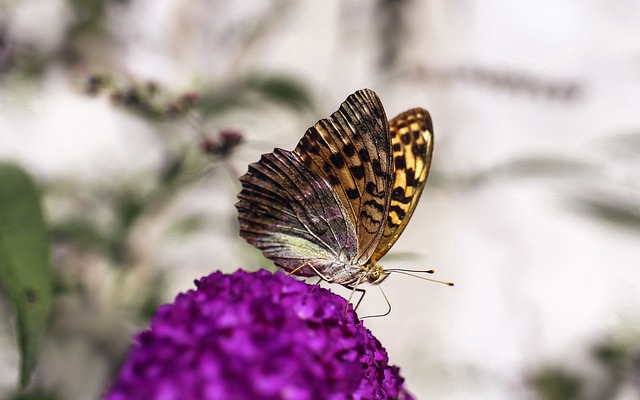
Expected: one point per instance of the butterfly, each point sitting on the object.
(335, 205)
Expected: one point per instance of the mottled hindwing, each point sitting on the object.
(412, 143)
(291, 214)
(351, 150)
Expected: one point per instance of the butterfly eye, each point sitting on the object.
(377, 275)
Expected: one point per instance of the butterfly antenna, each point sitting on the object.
(413, 273)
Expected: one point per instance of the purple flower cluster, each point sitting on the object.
(257, 336)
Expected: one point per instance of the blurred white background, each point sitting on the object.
(533, 202)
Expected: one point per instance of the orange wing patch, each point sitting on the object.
(412, 146)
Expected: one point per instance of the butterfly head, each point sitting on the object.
(376, 275)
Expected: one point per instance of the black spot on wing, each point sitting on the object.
(374, 204)
(377, 168)
(357, 171)
(337, 160)
(364, 155)
(349, 149)
(419, 149)
(398, 211)
(333, 180)
(352, 193)
(411, 177)
(398, 193)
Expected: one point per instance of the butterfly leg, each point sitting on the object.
(353, 290)
(308, 264)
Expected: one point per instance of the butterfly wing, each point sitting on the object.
(291, 214)
(412, 143)
(351, 151)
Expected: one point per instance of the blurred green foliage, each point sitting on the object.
(25, 272)
(613, 211)
(254, 91)
(35, 395)
(616, 367)
(556, 384)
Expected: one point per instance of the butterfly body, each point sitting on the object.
(335, 205)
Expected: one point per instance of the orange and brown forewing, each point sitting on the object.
(351, 150)
(412, 146)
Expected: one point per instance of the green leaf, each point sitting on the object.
(539, 166)
(282, 89)
(87, 14)
(213, 102)
(36, 395)
(554, 383)
(25, 273)
(172, 169)
(532, 166)
(187, 225)
(616, 212)
(255, 91)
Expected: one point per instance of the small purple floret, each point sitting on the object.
(257, 336)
